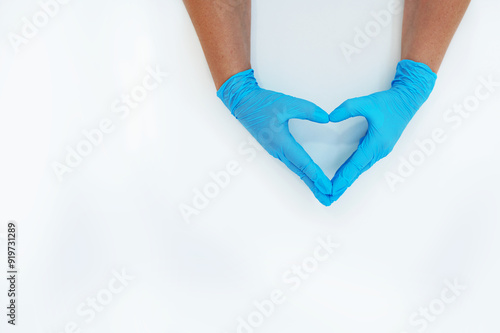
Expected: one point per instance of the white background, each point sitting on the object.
(119, 209)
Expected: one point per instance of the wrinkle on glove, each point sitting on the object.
(265, 114)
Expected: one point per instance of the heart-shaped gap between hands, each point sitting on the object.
(331, 144)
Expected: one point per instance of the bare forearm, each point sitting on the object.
(428, 27)
(223, 27)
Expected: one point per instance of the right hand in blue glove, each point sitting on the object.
(265, 115)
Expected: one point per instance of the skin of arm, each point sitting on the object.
(223, 27)
(428, 27)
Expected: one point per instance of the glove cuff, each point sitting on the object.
(236, 88)
(415, 81)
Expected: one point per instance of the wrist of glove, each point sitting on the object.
(413, 84)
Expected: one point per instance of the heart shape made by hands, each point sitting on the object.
(331, 144)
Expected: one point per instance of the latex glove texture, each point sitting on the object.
(265, 114)
(387, 113)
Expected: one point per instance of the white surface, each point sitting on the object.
(120, 207)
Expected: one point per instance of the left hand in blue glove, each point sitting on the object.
(387, 112)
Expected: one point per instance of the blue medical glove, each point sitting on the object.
(265, 115)
(387, 112)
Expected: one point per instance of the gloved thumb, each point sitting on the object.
(309, 111)
(348, 109)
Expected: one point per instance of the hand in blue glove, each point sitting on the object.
(265, 115)
(387, 112)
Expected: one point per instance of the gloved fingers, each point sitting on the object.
(325, 199)
(307, 110)
(351, 108)
(336, 195)
(360, 161)
(297, 156)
